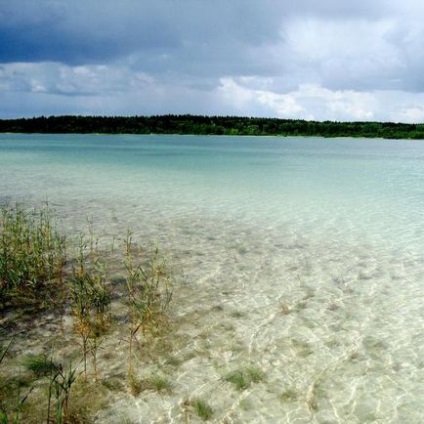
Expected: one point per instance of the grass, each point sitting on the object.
(243, 378)
(45, 276)
(154, 382)
(32, 257)
(199, 407)
(203, 410)
(41, 365)
(148, 294)
(90, 301)
(47, 279)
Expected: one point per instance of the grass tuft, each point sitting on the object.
(243, 378)
(154, 383)
(203, 410)
(41, 366)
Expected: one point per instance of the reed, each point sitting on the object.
(32, 256)
(90, 302)
(59, 392)
(148, 292)
(36, 272)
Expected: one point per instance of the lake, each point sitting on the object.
(302, 256)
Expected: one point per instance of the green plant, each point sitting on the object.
(90, 303)
(238, 378)
(203, 410)
(10, 411)
(44, 391)
(154, 382)
(32, 255)
(160, 383)
(41, 365)
(148, 294)
(255, 374)
(59, 389)
(243, 378)
(11, 398)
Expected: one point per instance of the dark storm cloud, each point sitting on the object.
(86, 31)
(262, 57)
(78, 32)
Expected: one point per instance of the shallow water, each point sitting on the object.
(302, 256)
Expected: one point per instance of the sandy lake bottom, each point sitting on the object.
(297, 266)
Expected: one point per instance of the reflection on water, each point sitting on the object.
(301, 256)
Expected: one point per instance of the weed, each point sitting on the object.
(243, 378)
(203, 410)
(199, 406)
(254, 374)
(41, 366)
(160, 384)
(148, 294)
(238, 379)
(34, 271)
(32, 255)
(155, 383)
(90, 303)
(59, 390)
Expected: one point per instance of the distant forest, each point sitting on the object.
(209, 125)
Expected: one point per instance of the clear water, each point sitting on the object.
(303, 256)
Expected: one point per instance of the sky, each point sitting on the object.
(339, 60)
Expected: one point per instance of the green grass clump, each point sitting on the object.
(243, 378)
(154, 383)
(160, 384)
(203, 410)
(41, 366)
(197, 406)
(32, 256)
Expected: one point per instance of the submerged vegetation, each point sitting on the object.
(210, 125)
(82, 327)
(32, 258)
(40, 282)
(96, 333)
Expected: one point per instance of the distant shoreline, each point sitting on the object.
(210, 125)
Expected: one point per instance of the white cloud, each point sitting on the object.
(314, 102)
(59, 79)
(348, 54)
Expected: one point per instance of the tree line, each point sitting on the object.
(209, 125)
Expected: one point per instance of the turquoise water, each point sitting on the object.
(312, 248)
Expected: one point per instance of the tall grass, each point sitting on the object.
(90, 302)
(32, 256)
(148, 294)
(36, 272)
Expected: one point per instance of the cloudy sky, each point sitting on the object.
(328, 59)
